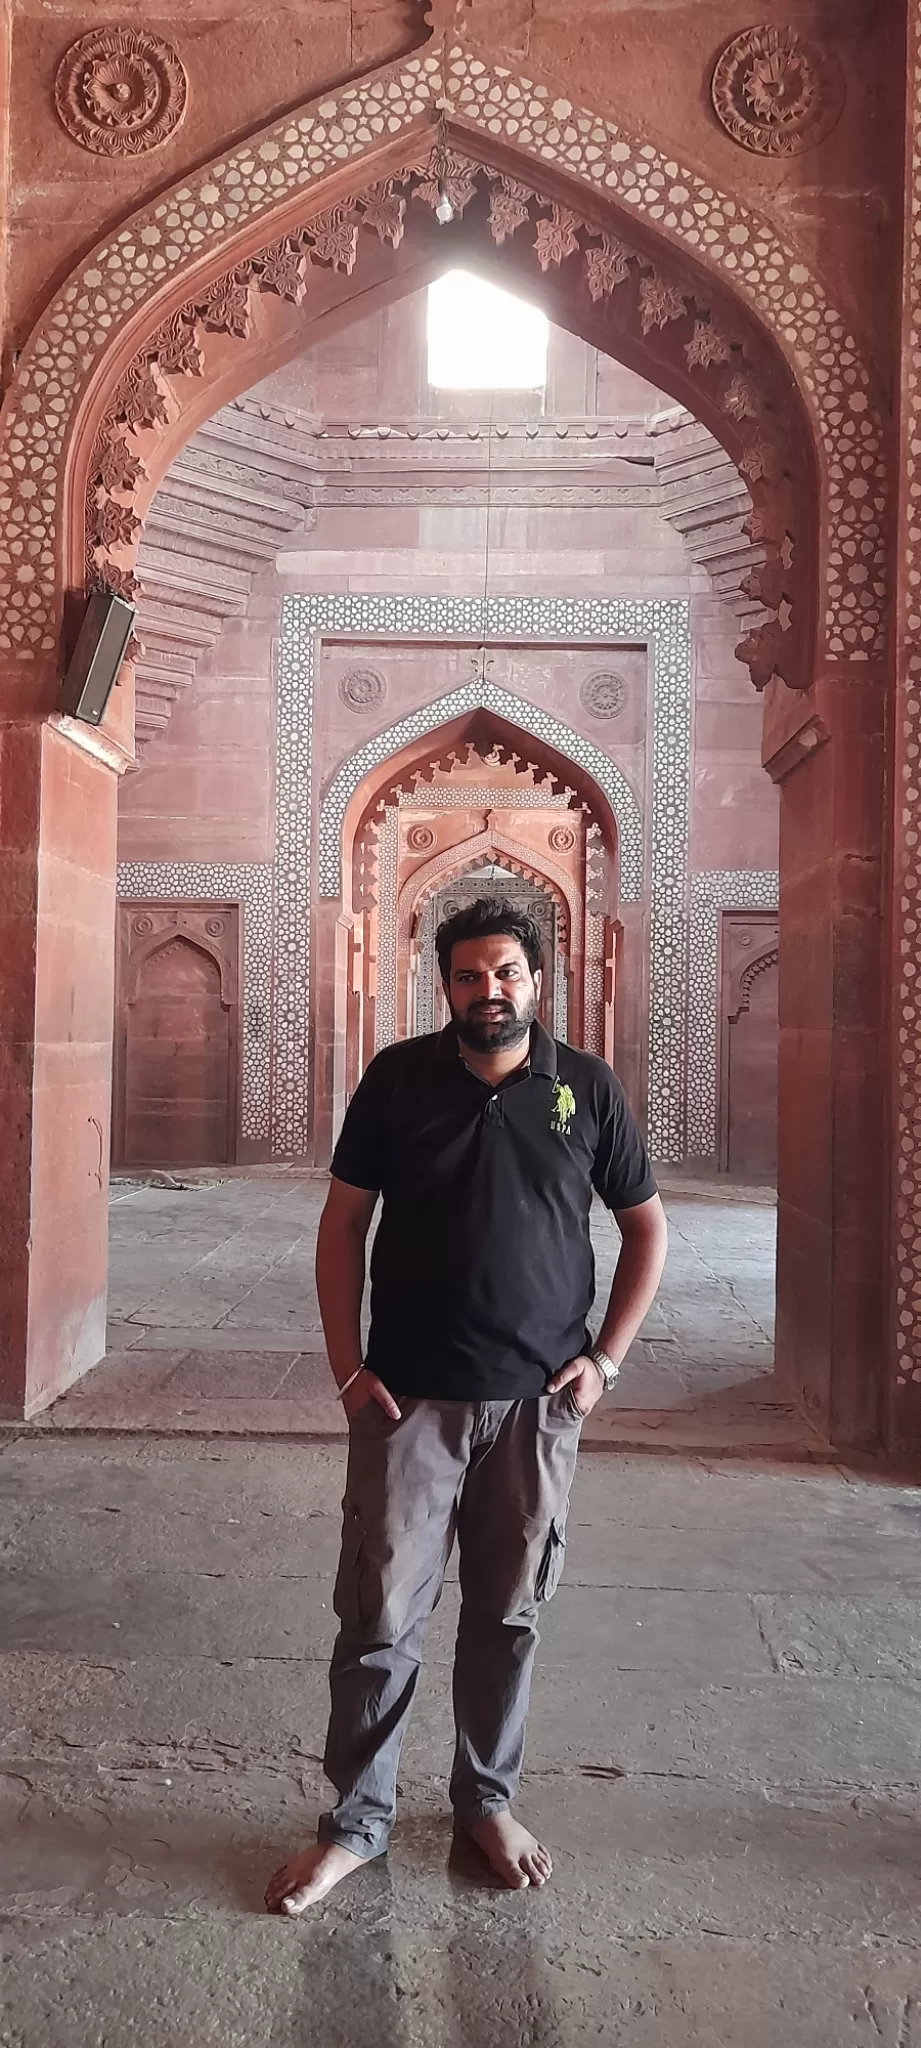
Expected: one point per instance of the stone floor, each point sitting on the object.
(724, 1756)
(215, 1326)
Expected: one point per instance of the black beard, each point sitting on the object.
(494, 1034)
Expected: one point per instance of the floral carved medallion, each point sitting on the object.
(362, 689)
(603, 695)
(775, 92)
(120, 91)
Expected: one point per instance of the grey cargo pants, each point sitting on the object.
(497, 1475)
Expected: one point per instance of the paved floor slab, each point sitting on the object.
(725, 1755)
(215, 1327)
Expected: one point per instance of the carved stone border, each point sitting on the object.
(711, 891)
(302, 150)
(726, 366)
(663, 624)
(906, 881)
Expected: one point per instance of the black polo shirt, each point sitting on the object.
(482, 1272)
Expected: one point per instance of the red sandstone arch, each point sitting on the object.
(435, 749)
(613, 281)
(478, 852)
(710, 264)
(196, 941)
(344, 931)
(200, 238)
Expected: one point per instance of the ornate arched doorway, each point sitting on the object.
(427, 1008)
(473, 798)
(170, 317)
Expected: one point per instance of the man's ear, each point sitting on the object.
(538, 980)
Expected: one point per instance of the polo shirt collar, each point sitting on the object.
(543, 1049)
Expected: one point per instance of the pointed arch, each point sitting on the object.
(464, 859)
(516, 711)
(471, 853)
(305, 165)
(179, 931)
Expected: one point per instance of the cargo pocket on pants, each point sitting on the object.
(347, 1602)
(550, 1569)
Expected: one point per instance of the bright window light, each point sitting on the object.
(483, 339)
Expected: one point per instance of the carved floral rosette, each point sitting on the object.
(603, 694)
(120, 91)
(775, 92)
(362, 689)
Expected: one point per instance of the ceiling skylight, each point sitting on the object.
(483, 339)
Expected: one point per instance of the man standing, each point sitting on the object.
(487, 1142)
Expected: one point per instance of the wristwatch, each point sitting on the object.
(610, 1372)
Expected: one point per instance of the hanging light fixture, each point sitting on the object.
(483, 660)
(444, 211)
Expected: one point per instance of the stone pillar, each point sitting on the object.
(903, 1429)
(826, 750)
(57, 947)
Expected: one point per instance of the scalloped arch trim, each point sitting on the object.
(303, 153)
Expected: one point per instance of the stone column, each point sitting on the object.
(826, 750)
(903, 1428)
(57, 948)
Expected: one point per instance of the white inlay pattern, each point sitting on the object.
(906, 888)
(302, 152)
(388, 859)
(663, 624)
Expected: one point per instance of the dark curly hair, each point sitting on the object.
(487, 917)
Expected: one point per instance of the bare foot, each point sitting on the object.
(304, 1880)
(515, 1855)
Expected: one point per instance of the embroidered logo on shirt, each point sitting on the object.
(563, 1108)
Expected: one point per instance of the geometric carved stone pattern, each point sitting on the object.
(713, 890)
(480, 796)
(906, 886)
(664, 625)
(282, 1111)
(249, 884)
(773, 584)
(388, 855)
(767, 271)
(296, 154)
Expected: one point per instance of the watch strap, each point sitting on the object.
(610, 1372)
